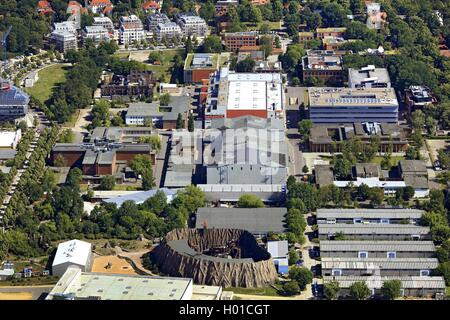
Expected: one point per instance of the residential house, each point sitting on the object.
(131, 30)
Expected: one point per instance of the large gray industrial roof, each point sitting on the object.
(254, 220)
(382, 263)
(408, 282)
(369, 213)
(370, 246)
(373, 228)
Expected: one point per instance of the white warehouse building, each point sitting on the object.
(73, 253)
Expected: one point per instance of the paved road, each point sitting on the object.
(162, 157)
(36, 291)
(308, 261)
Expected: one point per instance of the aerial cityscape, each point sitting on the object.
(225, 150)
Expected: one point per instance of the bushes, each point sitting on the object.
(249, 201)
(301, 275)
(391, 289)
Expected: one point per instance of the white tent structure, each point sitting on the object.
(72, 253)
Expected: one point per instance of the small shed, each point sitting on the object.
(279, 252)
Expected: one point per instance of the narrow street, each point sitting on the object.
(308, 261)
(20, 171)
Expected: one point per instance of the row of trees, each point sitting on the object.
(23, 237)
(390, 289)
(15, 164)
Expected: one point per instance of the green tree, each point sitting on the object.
(142, 165)
(74, 178)
(190, 198)
(250, 201)
(391, 289)
(189, 46)
(291, 288)
(164, 100)
(191, 123)
(293, 256)
(180, 122)
(154, 141)
(301, 275)
(212, 44)
(418, 119)
(207, 11)
(360, 291)
(304, 128)
(305, 169)
(246, 65)
(266, 44)
(107, 183)
(331, 290)
(342, 168)
(155, 56)
(444, 270)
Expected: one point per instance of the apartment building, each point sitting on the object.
(167, 30)
(192, 25)
(64, 40)
(96, 33)
(153, 20)
(131, 30)
(104, 22)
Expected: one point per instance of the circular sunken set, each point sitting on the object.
(221, 257)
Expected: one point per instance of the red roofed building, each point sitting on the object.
(101, 6)
(44, 7)
(151, 6)
(260, 2)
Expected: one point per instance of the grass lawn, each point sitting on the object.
(267, 291)
(122, 54)
(166, 64)
(49, 78)
(448, 292)
(394, 160)
(272, 25)
(73, 119)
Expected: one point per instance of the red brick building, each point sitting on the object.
(236, 40)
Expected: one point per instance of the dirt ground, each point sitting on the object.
(118, 265)
(16, 296)
(435, 145)
(141, 55)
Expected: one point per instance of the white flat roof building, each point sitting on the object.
(78, 285)
(10, 139)
(234, 95)
(72, 253)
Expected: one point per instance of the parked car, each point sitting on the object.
(437, 165)
(299, 263)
